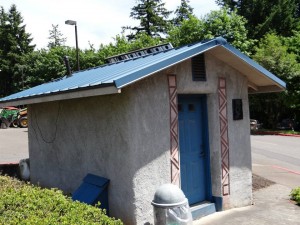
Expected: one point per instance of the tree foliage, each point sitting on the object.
(152, 16)
(183, 12)
(193, 26)
(217, 23)
(293, 44)
(15, 43)
(272, 54)
(263, 16)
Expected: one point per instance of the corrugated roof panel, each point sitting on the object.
(123, 73)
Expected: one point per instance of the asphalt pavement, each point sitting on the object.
(276, 158)
(13, 145)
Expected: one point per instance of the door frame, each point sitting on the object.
(203, 100)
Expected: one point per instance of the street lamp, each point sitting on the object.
(72, 22)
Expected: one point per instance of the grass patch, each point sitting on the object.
(295, 195)
(22, 203)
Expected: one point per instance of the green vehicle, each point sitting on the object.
(12, 116)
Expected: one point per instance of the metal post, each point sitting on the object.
(73, 22)
(77, 50)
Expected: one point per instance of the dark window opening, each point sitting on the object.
(198, 68)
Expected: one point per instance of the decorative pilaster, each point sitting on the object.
(224, 136)
(175, 165)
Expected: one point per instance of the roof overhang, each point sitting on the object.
(260, 80)
(63, 96)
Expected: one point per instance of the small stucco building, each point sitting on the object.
(155, 116)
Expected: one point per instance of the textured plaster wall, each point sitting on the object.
(239, 138)
(238, 134)
(123, 137)
(239, 142)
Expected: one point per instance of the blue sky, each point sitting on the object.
(98, 21)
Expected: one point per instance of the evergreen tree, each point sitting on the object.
(263, 16)
(152, 15)
(56, 37)
(15, 42)
(183, 12)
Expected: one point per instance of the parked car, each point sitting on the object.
(254, 124)
(286, 124)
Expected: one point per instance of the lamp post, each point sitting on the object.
(72, 22)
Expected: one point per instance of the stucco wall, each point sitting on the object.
(122, 137)
(238, 134)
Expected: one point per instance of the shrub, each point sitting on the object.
(22, 203)
(295, 195)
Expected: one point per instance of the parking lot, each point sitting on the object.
(13, 145)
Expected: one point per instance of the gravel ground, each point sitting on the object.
(260, 182)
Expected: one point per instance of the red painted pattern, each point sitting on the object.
(224, 136)
(175, 168)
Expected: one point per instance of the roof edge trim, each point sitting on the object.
(96, 91)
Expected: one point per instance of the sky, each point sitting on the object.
(98, 21)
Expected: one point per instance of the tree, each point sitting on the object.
(217, 23)
(263, 16)
(15, 42)
(194, 27)
(293, 44)
(122, 45)
(229, 25)
(183, 12)
(272, 54)
(56, 37)
(152, 16)
(45, 65)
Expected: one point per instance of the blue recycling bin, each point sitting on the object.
(92, 190)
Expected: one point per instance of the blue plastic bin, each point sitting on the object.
(92, 190)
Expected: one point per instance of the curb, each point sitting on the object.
(274, 133)
(9, 163)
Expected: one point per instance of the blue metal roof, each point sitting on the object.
(126, 72)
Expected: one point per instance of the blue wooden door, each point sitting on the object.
(195, 182)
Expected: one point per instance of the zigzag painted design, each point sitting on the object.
(224, 136)
(175, 168)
